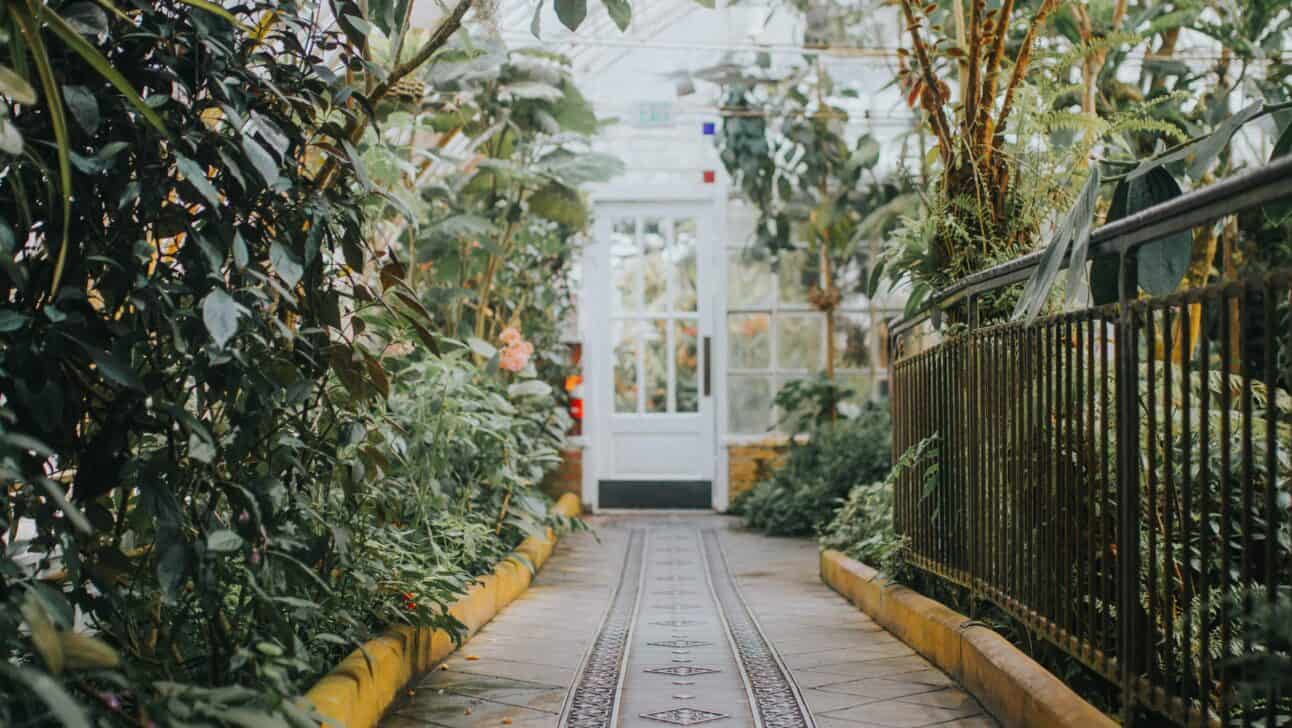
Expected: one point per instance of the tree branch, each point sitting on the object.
(1023, 60)
(981, 127)
(940, 126)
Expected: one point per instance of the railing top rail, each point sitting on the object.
(1234, 194)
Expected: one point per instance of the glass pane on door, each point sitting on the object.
(655, 365)
(623, 269)
(623, 342)
(687, 366)
(682, 254)
(654, 265)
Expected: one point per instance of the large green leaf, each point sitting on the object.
(573, 112)
(1072, 232)
(866, 154)
(220, 313)
(1200, 154)
(574, 169)
(389, 16)
(1161, 264)
(559, 203)
(571, 12)
(58, 120)
(16, 87)
(620, 11)
(1280, 211)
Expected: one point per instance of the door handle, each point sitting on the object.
(708, 366)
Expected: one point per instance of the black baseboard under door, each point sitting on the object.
(696, 494)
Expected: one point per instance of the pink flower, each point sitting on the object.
(514, 358)
(510, 336)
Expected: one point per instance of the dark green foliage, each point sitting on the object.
(210, 454)
(803, 495)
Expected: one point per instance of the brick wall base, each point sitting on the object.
(568, 478)
(749, 463)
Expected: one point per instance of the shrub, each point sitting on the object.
(804, 493)
(863, 527)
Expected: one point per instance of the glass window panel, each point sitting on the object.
(749, 404)
(655, 266)
(749, 281)
(795, 275)
(799, 339)
(852, 339)
(749, 344)
(623, 264)
(655, 364)
(624, 346)
(683, 254)
(687, 356)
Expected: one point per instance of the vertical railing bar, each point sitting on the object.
(1049, 504)
(1090, 485)
(1006, 414)
(1019, 370)
(1186, 510)
(1226, 472)
(1249, 476)
(1128, 488)
(945, 426)
(1204, 492)
(1105, 534)
(1271, 484)
(945, 511)
(1064, 553)
(985, 426)
(1041, 590)
(1169, 599)
(1150, 337)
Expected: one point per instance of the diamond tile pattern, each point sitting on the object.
(685, 716)
(679, 644)
(683, 670)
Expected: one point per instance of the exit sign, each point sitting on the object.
(655, 113)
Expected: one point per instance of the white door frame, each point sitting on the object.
(709, 201)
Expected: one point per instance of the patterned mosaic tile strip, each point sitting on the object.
(777, 702)
(594, 698)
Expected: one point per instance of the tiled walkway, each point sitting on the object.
(657, 620)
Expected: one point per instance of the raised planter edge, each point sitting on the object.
(1012, 686)
(357, 692)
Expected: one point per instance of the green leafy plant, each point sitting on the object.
(232, 443)
(803, 494)
(863, 526)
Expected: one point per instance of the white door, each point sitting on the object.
(652, 319)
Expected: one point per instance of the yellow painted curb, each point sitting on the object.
(1011, 685)
(355, 696)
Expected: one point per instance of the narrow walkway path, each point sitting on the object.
(658, 619)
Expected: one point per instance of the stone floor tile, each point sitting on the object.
(950, 698)
(895, 714)
(850, 673)
(821, 701)
(461, 711)
(878, 687)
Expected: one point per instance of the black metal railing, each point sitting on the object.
(1119, 478)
